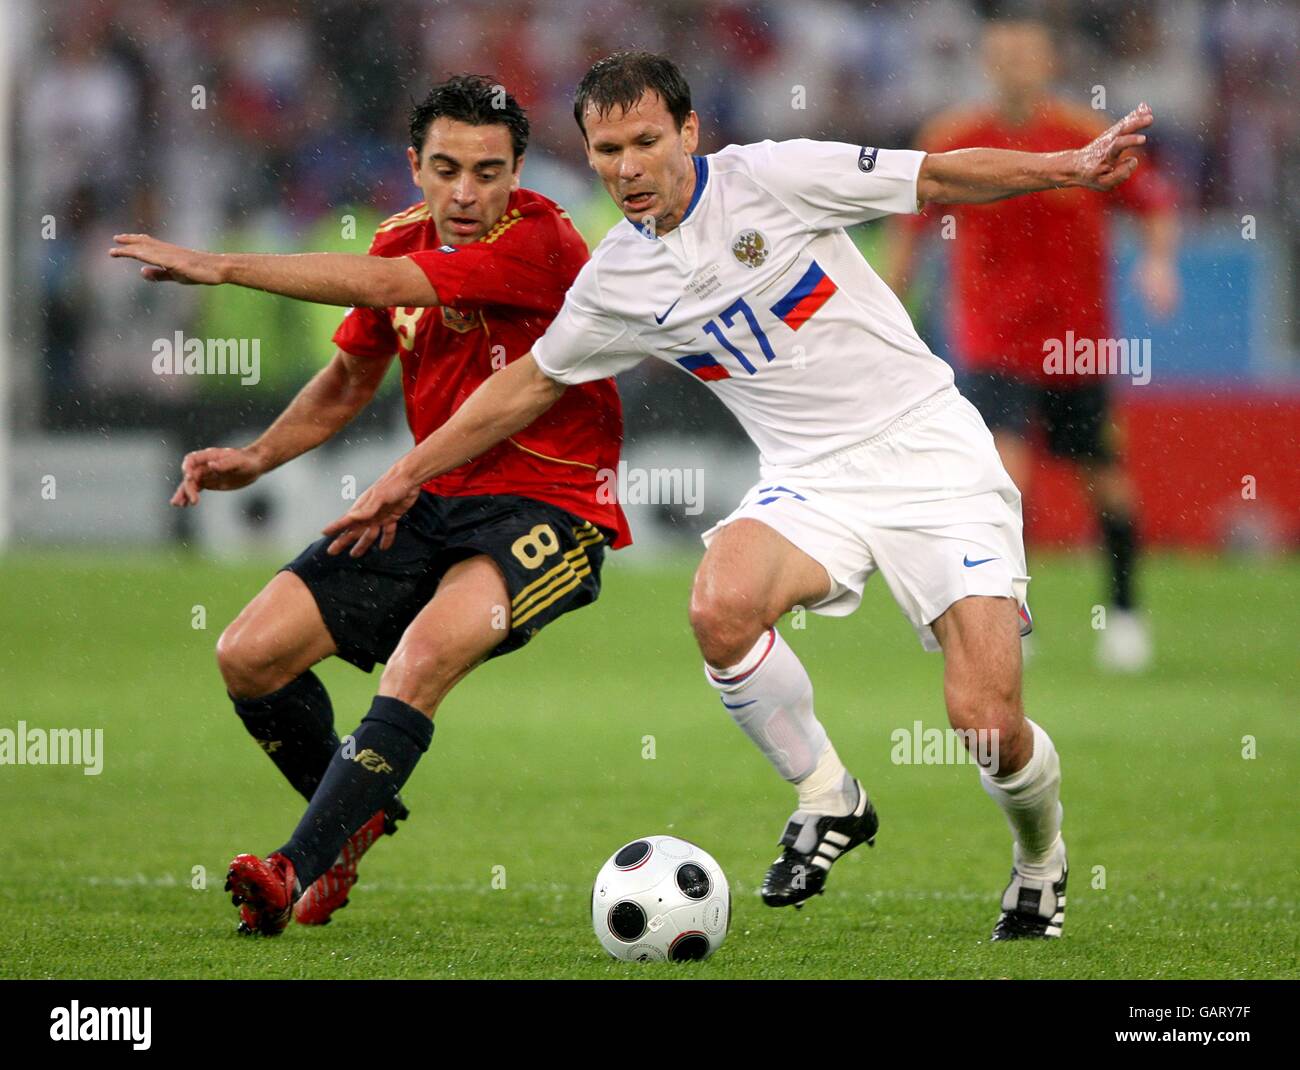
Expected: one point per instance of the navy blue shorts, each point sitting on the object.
(550, 559)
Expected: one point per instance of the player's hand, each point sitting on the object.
(374, 515)
(1110, 159)
(216, 468)
(1157, 281)
(164, 262)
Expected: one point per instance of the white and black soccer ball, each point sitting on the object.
(661, 899)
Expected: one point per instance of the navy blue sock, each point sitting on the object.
(295, 726)
(364, 776)
(1119, 534)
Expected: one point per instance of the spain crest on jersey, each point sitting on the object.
(750, 248)
(462, 322)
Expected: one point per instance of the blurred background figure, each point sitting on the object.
(1031, 271)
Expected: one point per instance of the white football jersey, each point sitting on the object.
(760, 293)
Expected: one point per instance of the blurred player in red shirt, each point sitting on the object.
(489, 553)
(1026, 271)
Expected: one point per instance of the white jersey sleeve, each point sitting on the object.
(586, 341)
(830, 184)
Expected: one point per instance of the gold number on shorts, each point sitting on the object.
(532, 549)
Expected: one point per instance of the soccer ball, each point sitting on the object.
(660, 899)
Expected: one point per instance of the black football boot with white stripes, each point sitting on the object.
(1033, 909)
(811, 844)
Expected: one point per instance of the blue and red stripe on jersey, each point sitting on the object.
(703, 366)
(809, 294)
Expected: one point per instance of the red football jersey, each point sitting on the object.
(1030, 268)
(498, 296)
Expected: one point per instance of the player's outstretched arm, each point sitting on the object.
(507, 402)
(347, 279)
(975, 176)
(321, 409)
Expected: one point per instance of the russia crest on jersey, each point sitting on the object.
(750, 248)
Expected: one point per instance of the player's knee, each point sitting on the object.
(725, 627)
(989, 710)
(246, 666)
(985, 704)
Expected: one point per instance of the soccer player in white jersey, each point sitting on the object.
(736, 269)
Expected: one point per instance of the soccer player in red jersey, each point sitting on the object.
(1032, 272)
(489, 553)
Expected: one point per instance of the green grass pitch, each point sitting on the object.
(1183, 852)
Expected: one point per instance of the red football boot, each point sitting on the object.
(329, 892)
(263, 891)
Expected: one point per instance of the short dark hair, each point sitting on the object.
(470, 98)
(620, 80)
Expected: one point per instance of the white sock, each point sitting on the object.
(1031, 800)
(829, 788)
(770, 697)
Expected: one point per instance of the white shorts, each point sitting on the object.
(926, 502)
